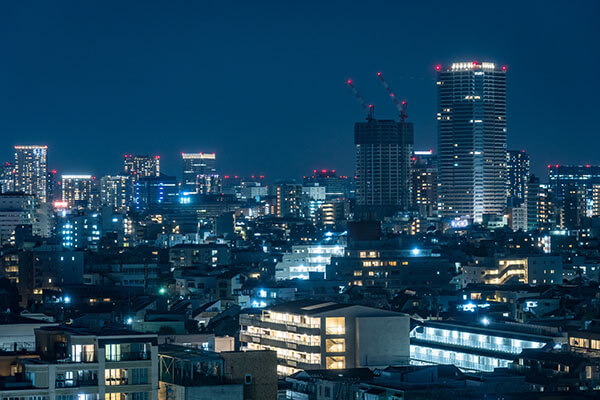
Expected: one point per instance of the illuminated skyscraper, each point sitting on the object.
(77, 190)
(31, 167)
(200, 173)
(383, 154)
(472, 139)
(141, 166)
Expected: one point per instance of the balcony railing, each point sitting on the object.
(129, 356)
(83, 357)
(280, 339)
(68, 383)
(475, 343)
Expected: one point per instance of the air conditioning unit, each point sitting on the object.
(60, 384)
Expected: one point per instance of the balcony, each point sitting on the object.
(81, 357)
(69, 383)
(129, 356)
(279, 342)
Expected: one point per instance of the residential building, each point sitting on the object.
(307, 261)
(472, 139)
(533, 270)
(141, 166)
(116, 192)
(7, 180)
(15, 209)
(425, 183)
(517, 176)
(480, 346)
(77, 363)
(311, 334)
(199, 255)
(289, 200)
(30, 170)
(77, 190)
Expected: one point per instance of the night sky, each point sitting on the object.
(263, 84)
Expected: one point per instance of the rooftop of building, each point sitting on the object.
(503, 328)
(105, 331)
(14, 319)
(186, 353)
(311, 307)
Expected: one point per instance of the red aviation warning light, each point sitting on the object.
(438, 67)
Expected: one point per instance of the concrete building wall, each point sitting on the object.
(382, 341)
(169, 391)
(255, 370)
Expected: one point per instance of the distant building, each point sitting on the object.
(336, 187)
(583, 177)
(383, 165)
(80, 229)
(141, 166)
(517, 176)
(116, 192)
(30, 170)
(200, 173)
(7, 180)
(472, 139)
(77, 190)
(533, 270)
(327, 335)
(539, 205)
(152, 192)
(425, 183)
(15, 209)
(289, 200)
(305, 261)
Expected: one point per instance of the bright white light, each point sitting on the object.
(67, 299)
(415, 252)
(129, 321)
(485, 321)
(262, 293)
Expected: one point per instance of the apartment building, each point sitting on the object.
(533, 270)
(311, 334)
(477, 346)
(79, 364)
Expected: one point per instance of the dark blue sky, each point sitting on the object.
(263, 84)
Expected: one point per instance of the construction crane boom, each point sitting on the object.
(368, 107)
(400, 105)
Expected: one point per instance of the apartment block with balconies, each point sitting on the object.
(310, 334)
(78, 364)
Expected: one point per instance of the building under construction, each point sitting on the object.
(383, 161)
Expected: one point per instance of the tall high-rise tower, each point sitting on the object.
(383, 165)
(31, 167)
(472, 139)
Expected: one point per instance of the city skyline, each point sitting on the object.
(280, 115)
